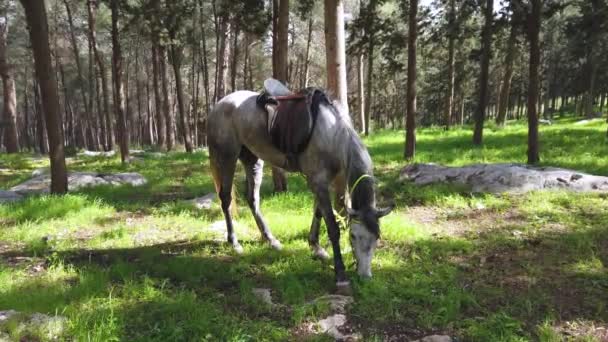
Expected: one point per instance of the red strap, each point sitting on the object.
(289, 97)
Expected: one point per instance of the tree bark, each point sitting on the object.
(361, 92)
(117, 73)
(11, 139)
(370, 63)
(92, 10)
(534, 23)
(280, 63)
(304, 81)
(335, 53)
(486, 41)
(410, 119)
(166, 107)
(35, 13)
(449, 103)
(176, 57)
(505, 90)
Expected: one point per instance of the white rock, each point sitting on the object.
(499, 178)
(263, 295)
(337, 303)
(9, 196)
(97, 153)
(77, 180)
(435, 338)
(204, 202)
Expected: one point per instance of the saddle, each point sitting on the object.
(291, 118)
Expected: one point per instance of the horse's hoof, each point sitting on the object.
(319, 253)
(343, 288)
(276, 244)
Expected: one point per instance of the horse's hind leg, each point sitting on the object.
(254, 172)
(313, 236)
(223, 166)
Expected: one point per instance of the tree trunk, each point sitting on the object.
(505, 90)
(361, 93)
(176, 57)
(335, 53)
(304, 81)
(11, 139)
(117, 73)
(92, 9)
(410, 118)
(235, 57)
(161, 129)
(35, 13)
(280, 63)
(166, 107)
(370, 30)
(222, 58)
(534, 23)
(486, 41)
(449, 103)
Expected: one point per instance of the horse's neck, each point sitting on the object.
(360, 179)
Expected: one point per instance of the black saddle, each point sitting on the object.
(291, 117)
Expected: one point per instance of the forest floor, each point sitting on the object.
(141, 264)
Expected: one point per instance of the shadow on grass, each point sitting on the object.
(493, 287)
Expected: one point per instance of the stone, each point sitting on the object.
(435, 338)
(97, 153)
(9, 196)
(78, 180)
(38, 326)
(204, 202)
(40, 171)
(501, 178)
(263, 294)
(331, 327)
(545, 122)
(337, 303)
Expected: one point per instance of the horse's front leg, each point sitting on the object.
(313, 237)
(333, 230)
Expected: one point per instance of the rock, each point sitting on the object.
(204, 202)
(9, 196)
(545, 122)
(499, 178)
(337, 303)
(435, 338)
(263, 295)
(77, 180)
(97, 153)
(586, 121)
(36, 326)
(40, 171)
(331, 326)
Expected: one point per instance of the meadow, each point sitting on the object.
(142, 264)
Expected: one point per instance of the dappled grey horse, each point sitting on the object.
(330, 153)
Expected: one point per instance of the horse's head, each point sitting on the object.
(364, 234)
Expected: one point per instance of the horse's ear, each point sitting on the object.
(384, 211)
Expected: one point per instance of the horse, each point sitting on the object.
(237, 129)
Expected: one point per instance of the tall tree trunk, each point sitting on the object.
(410, 119)
(486, 41)
(86, 118)
(534, 23)
(370, 30)
(280, 59)
(449, 103)
(505, 90)
(361, 92)
(304, 81)
(35, 13)
(176, 58)
(161, 129)
(235, 57)
(92, 12)
(166, 106)
(117, 73)
(335, 53)
(222, 57)
(11, 139)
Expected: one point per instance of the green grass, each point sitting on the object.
(138, 264)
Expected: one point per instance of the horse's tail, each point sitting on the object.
(217, 181)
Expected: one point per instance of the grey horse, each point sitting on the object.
(334, 156)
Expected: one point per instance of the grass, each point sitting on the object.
(139, 264)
